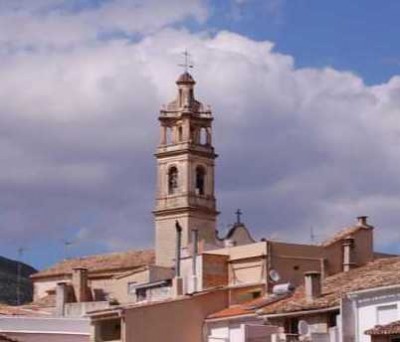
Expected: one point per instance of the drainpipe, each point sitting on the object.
(177, 281)
(178, 249)
(195, 239)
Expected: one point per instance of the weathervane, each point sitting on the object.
(187, 64)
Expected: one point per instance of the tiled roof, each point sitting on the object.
(234, 310)
(381, 272)
(388, 329)
(121, 261)
(29, 310)
(343, 234)
(246, 308)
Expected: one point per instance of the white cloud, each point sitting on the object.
(298, 147)
(66, 23)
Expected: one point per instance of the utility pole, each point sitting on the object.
(19, 271)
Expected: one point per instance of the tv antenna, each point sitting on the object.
(188, 64)
(312, 235)
(67, 244)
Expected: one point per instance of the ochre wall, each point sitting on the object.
(177, 321)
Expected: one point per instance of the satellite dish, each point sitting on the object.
(303, 327)
(274, 276)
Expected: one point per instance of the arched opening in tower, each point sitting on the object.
(200, 180)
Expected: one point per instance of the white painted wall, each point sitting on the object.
(367, 306)
(251, 331)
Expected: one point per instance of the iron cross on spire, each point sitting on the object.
(187, 64)
(238, 216)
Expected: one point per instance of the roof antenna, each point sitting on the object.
(188, 64)
(312, 235)
(67, 244)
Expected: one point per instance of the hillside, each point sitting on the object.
(8, 282)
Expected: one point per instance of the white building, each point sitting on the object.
(371, 307)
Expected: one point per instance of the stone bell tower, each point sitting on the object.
(185, 173)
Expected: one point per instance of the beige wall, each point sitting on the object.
(177, 321)
(245, 294)
(291, 261)
(362, 251)
(40, 287)
(166, 233)
(249, 264)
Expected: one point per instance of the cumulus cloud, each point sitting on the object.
(299, 148)
(66, 23)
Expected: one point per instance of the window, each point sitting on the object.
(110, 330)
(172, 180)
(200, 176)
(386, 314)
(168, 135)
(203, 136)
(141, 294)
(180, 133)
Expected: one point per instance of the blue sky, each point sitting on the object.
(313, 144)
(347, 35)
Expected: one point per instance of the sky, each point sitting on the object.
(305, 96)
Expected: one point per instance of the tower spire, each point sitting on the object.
(185, 162)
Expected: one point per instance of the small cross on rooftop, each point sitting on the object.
(238, 216)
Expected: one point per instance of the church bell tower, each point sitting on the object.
(185, 173)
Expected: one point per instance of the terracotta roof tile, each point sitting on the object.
(388, 329)
(234, 310)
(101, 263)
(381, 272)
(29, 310)
(246, 308)
(343, 234)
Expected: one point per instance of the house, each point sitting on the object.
(375, 310)
(385, 333)
(338, 308)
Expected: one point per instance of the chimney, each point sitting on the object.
(80, 284)
(61, 298)
(312, 283)
(195, 240)
(362, 221)
(177, 283)
(348, 255)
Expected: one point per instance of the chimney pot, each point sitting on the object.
(312, 285)
(348, 254)
(61, 297)
(362, 220)
(80, 284)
